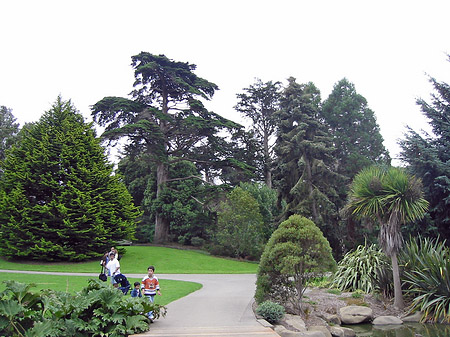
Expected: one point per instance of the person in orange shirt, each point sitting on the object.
(150, 286)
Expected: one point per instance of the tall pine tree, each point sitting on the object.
(59, 198)
(305, 172)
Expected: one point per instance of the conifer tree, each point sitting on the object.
(59, 199)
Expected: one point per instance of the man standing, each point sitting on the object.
(114, 268)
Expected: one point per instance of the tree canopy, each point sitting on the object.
(59, 198)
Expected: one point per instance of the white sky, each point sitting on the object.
(82, 50)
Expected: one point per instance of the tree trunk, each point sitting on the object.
(398, 296)
(267, 161)
(161, 223)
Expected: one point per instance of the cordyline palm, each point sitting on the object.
(393, 198)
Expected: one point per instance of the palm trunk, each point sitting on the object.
(398, 296)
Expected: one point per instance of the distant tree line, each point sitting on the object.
(196, 178)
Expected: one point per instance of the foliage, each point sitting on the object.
(59, 199)
(393, 198)
(259, 103)
(358, 269)
(427, 277)
(166, 121)
(427, 157)
(296, 252)
(267, 201)
(239, 226)
(270, 311)
(8, 130)
(98, 310)
(305, 174)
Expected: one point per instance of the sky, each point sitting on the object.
(82, 50)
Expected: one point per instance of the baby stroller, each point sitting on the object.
(123, 282)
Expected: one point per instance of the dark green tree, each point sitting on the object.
(356, 134)
(259, 103)
(305, 175)
(358, 143)
(165, 120)
(8, 130)
(428, 157)
(59, 199)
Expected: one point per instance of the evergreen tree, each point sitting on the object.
(8, 130)
(259, 103)
(166, 119)
(59, 199)
(428, 157)
(305, 174)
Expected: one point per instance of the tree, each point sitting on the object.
(166, 119)
(295, 252)
(8, 130)
(59, 199)
(259, 103)
(428, 157)
(304, 173)
(356, 134)
(239, 226)
(393, 198)
(357, 140)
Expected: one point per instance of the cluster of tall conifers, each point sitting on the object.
(298, 155)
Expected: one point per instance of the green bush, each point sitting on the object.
(270, 311)
(296, 252)
(98, 310)
(358, 269)
(426, 264)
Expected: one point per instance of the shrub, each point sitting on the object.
(426, 273)
(98, 310)
(358, 269)
(197, 242)
(270, 311)
(296, 252)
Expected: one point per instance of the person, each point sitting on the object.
(114, 268)
(136, 292)
(150, 287)
(104, 261)
(116, 252)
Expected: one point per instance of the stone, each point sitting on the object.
(355, 314)
(331, 318)
(295, 321)
(283, 332)
(387, 320)
(348, 332)
(336, 331)
(413, 318)
(322, 329)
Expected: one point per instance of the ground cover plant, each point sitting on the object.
(137, 258)
(97, 310)
(172, 289)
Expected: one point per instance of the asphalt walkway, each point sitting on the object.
(222, 307)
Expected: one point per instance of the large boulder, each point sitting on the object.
(339, 331)
(295, 321)
(387, 320)
(355, 314)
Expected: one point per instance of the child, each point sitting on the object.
(136, 292)
(150, 287)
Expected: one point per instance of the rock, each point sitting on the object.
(295, 321)
(264, 323)
(355, 314)
(322, 329)
(283, 332)
(387, 320)
(413, 318)
(348, 332)
(331, 318)
(312, 334)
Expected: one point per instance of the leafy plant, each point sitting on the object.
(98, 310)
(270, 311)
(358, 269)
(427, 275)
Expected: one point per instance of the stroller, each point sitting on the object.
(123, 282)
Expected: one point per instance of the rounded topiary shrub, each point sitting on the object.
(270, 311)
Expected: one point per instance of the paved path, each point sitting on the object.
(222, 307)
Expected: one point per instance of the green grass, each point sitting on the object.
(171, 290)
(138, 258)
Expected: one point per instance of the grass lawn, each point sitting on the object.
(171, 290)
(137, 258)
